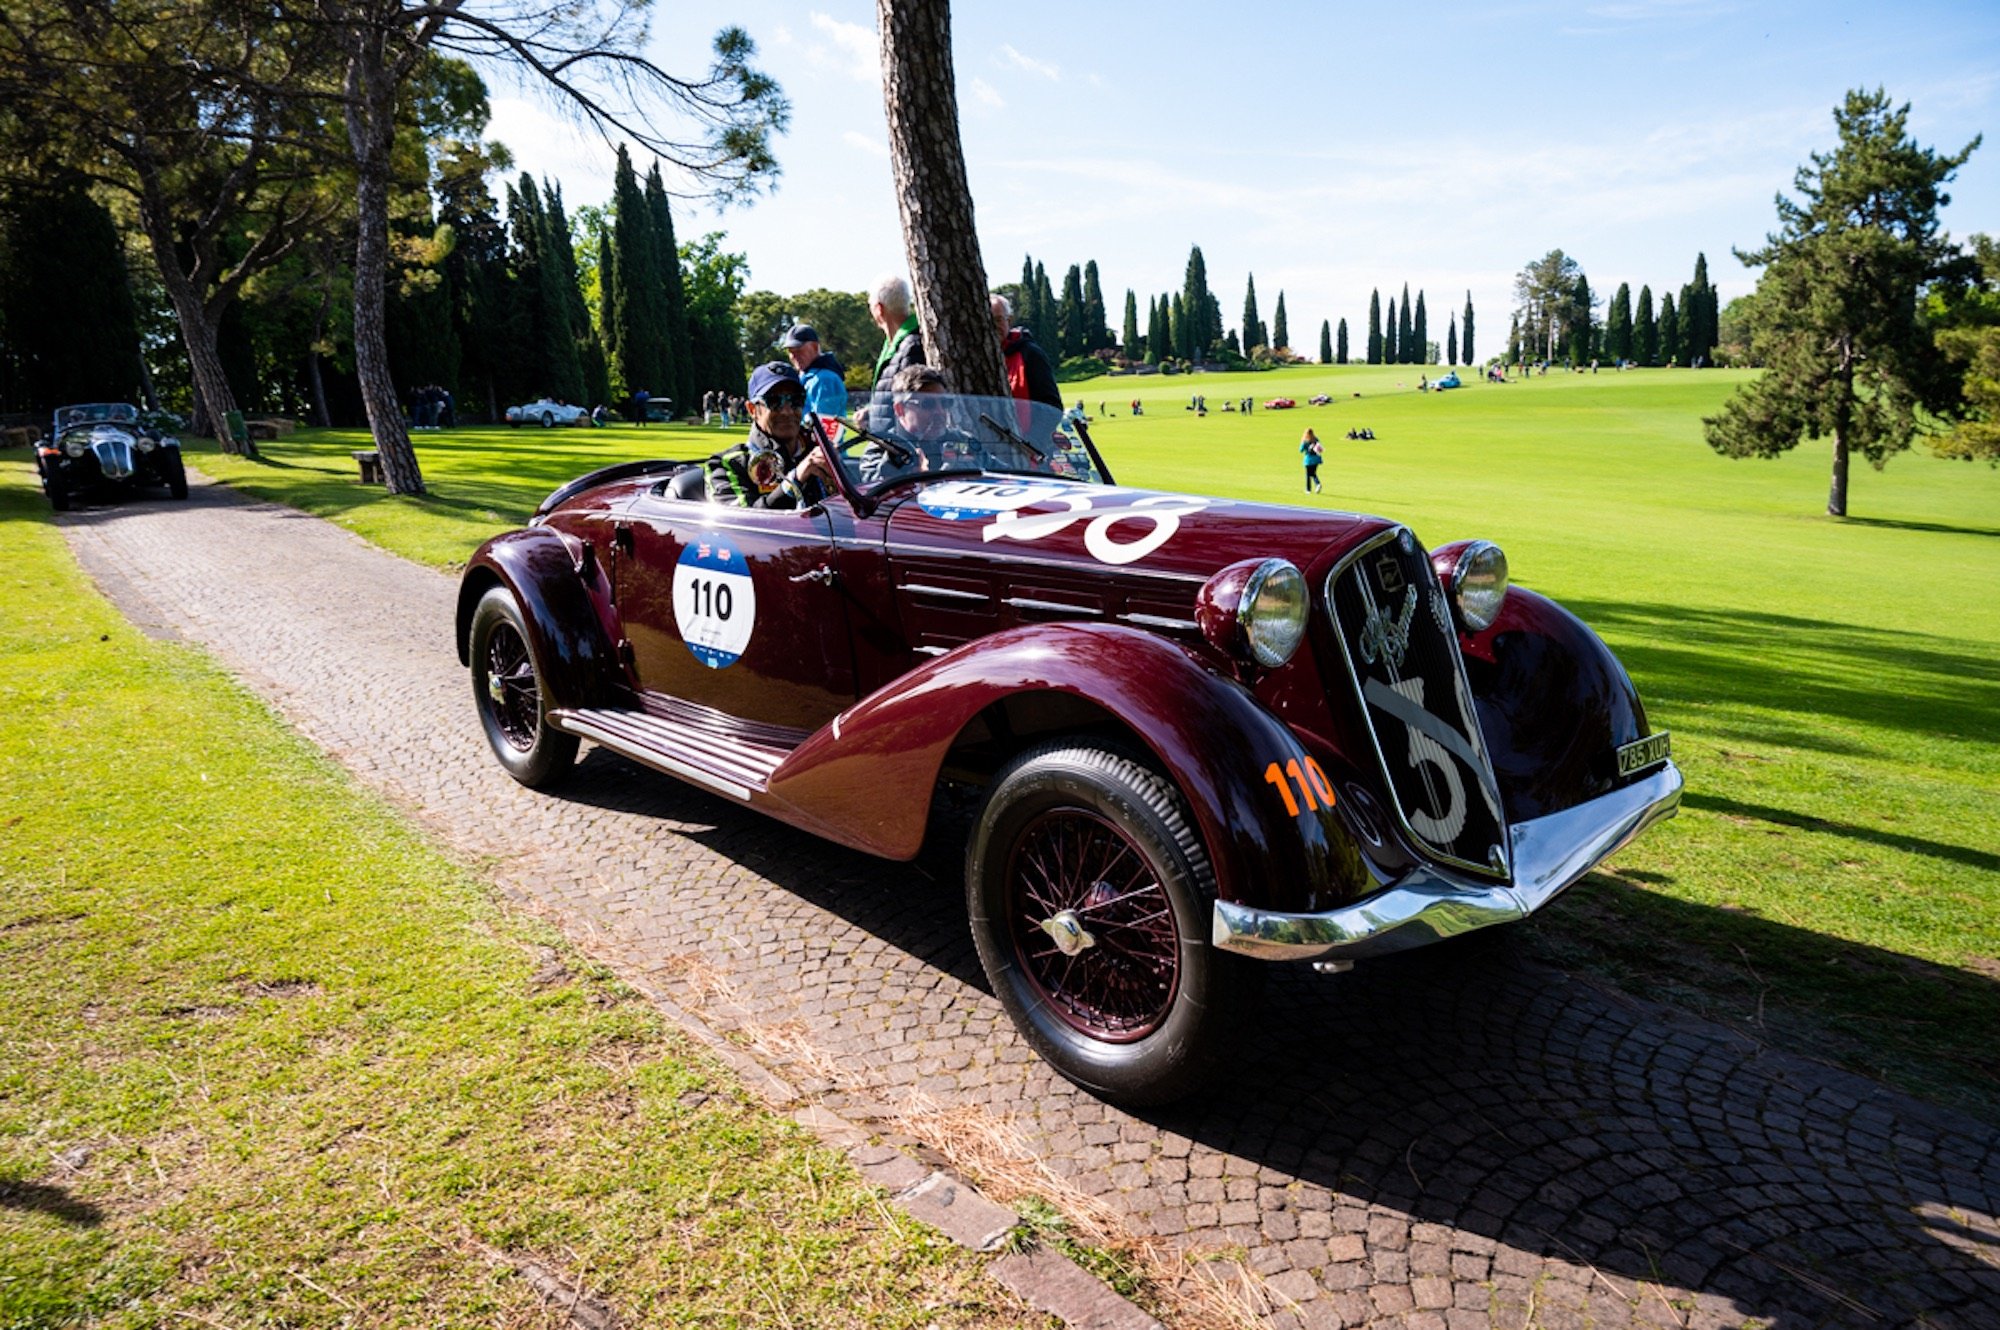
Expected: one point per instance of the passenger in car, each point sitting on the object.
(775, 467)
(918, 398)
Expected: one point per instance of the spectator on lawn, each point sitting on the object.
(1311, 453)
(820, 371)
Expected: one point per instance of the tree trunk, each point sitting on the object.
(948, 278)
(212, 396)
(1836, 495)
(313, 378)
(369, 113)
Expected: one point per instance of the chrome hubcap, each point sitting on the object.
(1068, 933)
(495, 689)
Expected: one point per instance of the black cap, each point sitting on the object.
(800, 334)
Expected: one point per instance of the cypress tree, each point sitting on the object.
(1618, 325)
(1028, 313)
(541, 273)
(1204, 326)
(1375, 327)
(1281, 336)
(679, 359)
(1420, 351)
(1645, 333)
(640, 336)
(1340, 345)
(562, 256)
(1048, 314)
(1451, 342)
(1670, 331)
(607, 298)
(1391, 354)
(1251, 341)
(1073, 336)
(1325, 342)
(1095, 335)
(1155, 335)
(1177, 329)
(1465, 342)
(72, 334)
(1129, 342)
(1580, 333)
(1405, 353)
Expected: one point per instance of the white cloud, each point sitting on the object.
(855, 49)
(1029, 63)
(986, 94)
(866, 144)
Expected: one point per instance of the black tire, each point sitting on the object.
(1141, 1012)
(176, 474)
(513, 704)
(548, 420)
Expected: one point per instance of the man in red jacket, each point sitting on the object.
(1029, 375)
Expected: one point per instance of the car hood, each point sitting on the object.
(1113, 528)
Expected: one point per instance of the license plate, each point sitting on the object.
(1643, 753)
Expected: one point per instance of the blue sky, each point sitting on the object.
(1330, 149)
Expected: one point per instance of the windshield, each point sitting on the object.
(894, 437)
(69, 417)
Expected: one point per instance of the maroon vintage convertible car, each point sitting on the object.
(1200, 733)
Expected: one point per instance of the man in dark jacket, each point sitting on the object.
(1030, 377)
(775, 467)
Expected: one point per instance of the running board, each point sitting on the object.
(716, 762)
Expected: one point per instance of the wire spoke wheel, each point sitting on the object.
(1092, 926)
(511, 687)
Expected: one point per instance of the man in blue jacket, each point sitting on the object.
(824, 379)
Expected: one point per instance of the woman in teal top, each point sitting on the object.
(1310, 453)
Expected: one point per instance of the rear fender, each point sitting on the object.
(867, 778)
(572, 652)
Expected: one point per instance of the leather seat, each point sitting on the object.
(690, 482)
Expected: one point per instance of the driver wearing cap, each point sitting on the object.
(775, 467)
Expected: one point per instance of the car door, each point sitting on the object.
(737, 609)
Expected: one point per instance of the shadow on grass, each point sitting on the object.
(1961, 854)
(1940, 528)
(52, 1201)
(1943, 687)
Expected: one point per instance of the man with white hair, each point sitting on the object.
(902, 343)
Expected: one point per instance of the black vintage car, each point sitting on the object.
(102, 445)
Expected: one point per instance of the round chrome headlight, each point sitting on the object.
(74, 446)
(1272, 612)
(1479, 585)
(143, 442)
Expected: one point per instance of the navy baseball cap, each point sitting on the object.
(800, 334)
(766, 377)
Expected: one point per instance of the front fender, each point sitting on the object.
(1554, 705)
(867, 778)
(572, 653)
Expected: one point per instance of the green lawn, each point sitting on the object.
(267, 1058)
(1834, 686)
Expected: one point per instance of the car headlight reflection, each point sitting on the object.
(74, 446)
(1272, 612)
(1479, 585)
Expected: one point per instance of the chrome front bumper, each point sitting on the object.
(1428, 903)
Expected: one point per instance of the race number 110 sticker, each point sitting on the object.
(715, 602)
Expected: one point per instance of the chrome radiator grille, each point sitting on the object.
(1401, 647)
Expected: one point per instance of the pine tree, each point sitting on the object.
(1281, 337)
(1250, 339)
(1071, 334)
(1095, 335)
(1325, 342)
(1837, 321)
(1618, 325)
(678, 379)
(1128, 343)
(1451, 342)
(1465, 342)
(1391, 347)
(1420, 352)
(1340, 344)
(1670, 331)
(1375, 347)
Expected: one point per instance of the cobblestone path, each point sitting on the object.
(1456, 1138)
